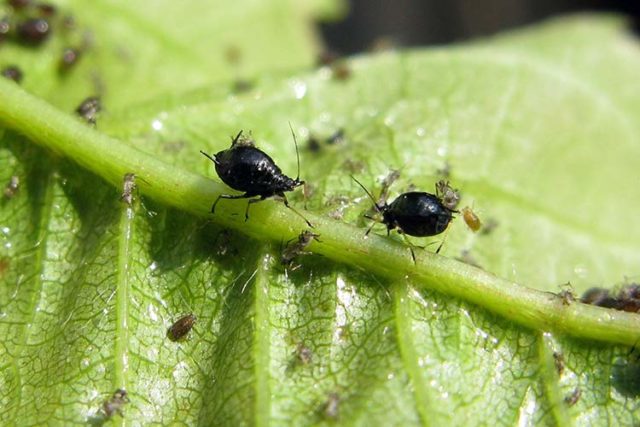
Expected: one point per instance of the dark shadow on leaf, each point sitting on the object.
(625, 376)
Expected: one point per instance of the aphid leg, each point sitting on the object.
(371, 226)
(286, 203)
(444, 239)
(251, 201)
(229, 196)
(411, 246)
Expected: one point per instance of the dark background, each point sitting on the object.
(428, 22)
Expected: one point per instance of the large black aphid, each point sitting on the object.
(416, 213)
(244, 167)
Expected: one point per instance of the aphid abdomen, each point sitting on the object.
(247, 169)
(419, 214)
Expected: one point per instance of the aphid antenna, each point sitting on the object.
(368, 194)
(209, 157)
(234, 141)
(295, 142)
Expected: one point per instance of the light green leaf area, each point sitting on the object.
(137, 50)
(540, 132)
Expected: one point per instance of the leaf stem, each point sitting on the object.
(270, 220)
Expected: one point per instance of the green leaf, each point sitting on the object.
(540, 132)
(146, 48)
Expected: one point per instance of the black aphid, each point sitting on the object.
(69, 59)
(244, 167)
(181, 327)
(573, 398)
(336, 138)
(12, 73)
(331, 408)
(414, 213)
(33, 31)
(292, 250)
(19, 4)
(12, 187)
(47, 9)
(115, 404)
(5, 28)
(89, 109)
(558, 360)
(627, 298)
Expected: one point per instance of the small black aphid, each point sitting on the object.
(558, 359)
(242, 85)
(128, 186)
(297, 248)
(414, 213)
(331, 408)
(12, 187)
(47, 9)
(19, 4)
(5, 28)
(627, 298)
(600, 297)
(471, 219)
(244, 167)
(566, 294)
(33, 31)
(115, 404)
(89, 109)
(573, 398)
(181, 327)
(340, 70)
(12, 73)
(336, 138)
(313, 144)
(304, 353)
(489, 226)
(69, 58)
(327, 57)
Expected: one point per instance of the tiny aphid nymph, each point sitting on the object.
(12, 72)
(89, 109)
(128, 187)
(293, 250)
(471, 219)
(12, 187)
(115, 404)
